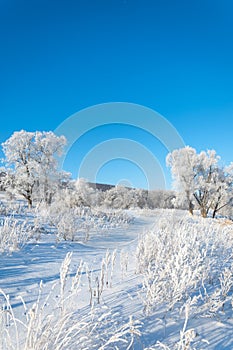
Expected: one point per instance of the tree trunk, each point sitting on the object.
(191, 207)
(214, 213)
(204, 212)
(29, 199)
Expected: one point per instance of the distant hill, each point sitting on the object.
(102, 187)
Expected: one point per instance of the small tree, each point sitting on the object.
(31, 164)
(119, 197)
(84, 194)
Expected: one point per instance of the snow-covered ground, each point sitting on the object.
(102, 295)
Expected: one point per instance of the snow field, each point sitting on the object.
(160, 281)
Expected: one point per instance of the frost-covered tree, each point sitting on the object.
(84, 194)
(139, 198)
(118, 197)
(199, 179)
(183, 163)
(161, 199)
(206, 180)
(30, 159)
(49, 147)
(223, 194)
(77, 193)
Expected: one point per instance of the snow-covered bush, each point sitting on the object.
(13, 234)
(73, 222)
(179, 255)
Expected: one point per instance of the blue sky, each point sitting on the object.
(58, 57)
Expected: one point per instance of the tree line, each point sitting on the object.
(30, 170)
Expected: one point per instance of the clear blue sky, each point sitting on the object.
(176, 57)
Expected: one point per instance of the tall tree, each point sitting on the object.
(199, 179)
(30, 159)
(183, 163)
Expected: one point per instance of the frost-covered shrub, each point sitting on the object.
(76, 223)
(79, 222)
(13, 234)
(180, 254)
(67, 225)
